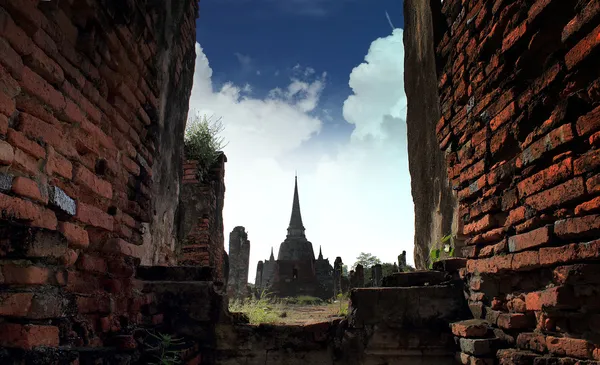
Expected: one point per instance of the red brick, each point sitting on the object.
(552, 140)
(593, 184)
(11, 59)
(37, 108)
(587, 14)
(14, 34)
(3, 124)
(75, 235)
(557, 297)
(496, 249)
(470, 328)
(588, 162)
(39, 62)
(583, 49)
(99, 135)
(588, 123)
(72, 112)
(56, 163)
(93, 216)
(91, 263)
(586, 226)
(25, 275)
(25, 163)
(36, 128)
(516, 215)
(514, 37)
(15, 304)
(532, 341)
(37, 86)
(93, 304)
(486, 222)
(28, 336)
(515, 321)
(19, 209)
(7, 153)
(19, 140)
(532, 239)
(557, 255)
(504, 116)
(590, 206)
(29, 189)
(130, 165)
(7, 104)
(8, 84)
(92, 182)
(573, 347)
(472, 189)
(120, 247)
(561, 194)
(69, 258)
(546, 178)
(527, 260)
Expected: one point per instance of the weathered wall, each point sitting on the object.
(201, 218)
(93, 100)
(435, 202)
(519, 92)
(239, 263)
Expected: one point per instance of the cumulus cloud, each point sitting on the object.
(354, 199)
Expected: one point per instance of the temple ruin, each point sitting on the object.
(101, 245)
(296, 271)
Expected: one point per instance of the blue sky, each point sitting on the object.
(314, 86)
(260, 41)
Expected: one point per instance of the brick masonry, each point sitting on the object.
(84, 111)
(201, 238)
(519, 98)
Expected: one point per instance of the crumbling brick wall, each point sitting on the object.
(201, 218)
(519, 92)
(93, 102)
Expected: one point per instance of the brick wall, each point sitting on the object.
(519, 92)
(84, 122)
(201, 218)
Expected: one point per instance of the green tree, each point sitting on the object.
(345, 270)
(366, 260)
(387, 269)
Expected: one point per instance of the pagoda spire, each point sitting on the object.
(296, 228)
(272, 257)
(320, 253)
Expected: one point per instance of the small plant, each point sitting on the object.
(263, 309)
(342, 299)
(163, 349)
(203, 143)
(448, 248)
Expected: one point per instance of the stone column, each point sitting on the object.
(258, 280)
(376, 274)
(402, 261)
(360, 276)
(337, 276)
(239, 255)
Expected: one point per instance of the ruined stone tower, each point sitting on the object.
(296, 272)
(239, 260)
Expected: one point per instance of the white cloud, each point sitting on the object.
(359, 200)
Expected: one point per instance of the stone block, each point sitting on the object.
(175, 273)
(470, 328)
(476, 347)
(416, 278)
(408, 306)
(61, 200)
(451, 265)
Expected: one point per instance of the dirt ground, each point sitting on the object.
(303, 314)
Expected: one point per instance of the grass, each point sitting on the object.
(259, 310)
(295, 310)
